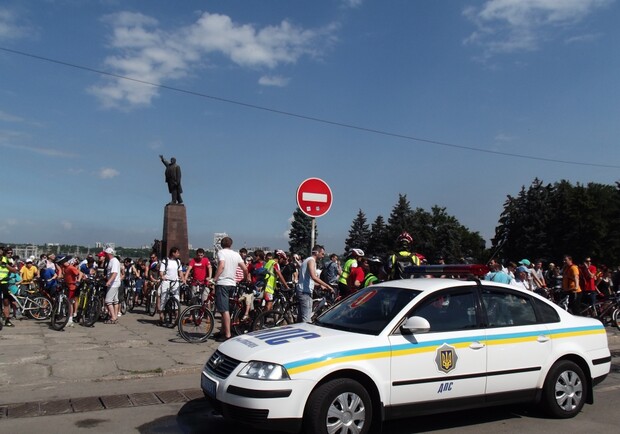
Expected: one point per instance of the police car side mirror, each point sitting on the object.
(415, 324)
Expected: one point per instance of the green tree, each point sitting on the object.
(359, 233)
(400, 219)
(378, 244)
(300, 235)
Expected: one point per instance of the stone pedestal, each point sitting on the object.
(175, 231)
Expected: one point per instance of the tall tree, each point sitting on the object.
(379, 240)
(300, 235)
(359, 234)
(400, 219)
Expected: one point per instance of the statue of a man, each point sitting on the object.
(173, 179)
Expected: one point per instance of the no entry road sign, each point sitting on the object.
(314, 197)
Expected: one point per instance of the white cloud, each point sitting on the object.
(11, 26)
(507, 26)
(36, 150)
(583, 38)
(273, 80)
(8, 117)
(107, 173)
(145, 52)
(352, 3)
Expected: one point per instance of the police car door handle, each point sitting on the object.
(543, 339)
(476, 346)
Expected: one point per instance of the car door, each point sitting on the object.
(446, 364)
(518, 343)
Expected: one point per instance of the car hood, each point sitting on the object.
(290, 344)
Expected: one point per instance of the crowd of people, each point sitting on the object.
(264, 272)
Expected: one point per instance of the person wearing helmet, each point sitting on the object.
(351, 262)
(372, 269)
(403, 257)
(273, 274)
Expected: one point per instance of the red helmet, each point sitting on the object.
(280, 254)
(404, 237)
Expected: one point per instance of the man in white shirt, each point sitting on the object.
(171, 273)
(227, 262)
(113, 283)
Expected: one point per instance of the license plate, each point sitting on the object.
(209, 386)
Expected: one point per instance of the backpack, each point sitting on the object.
(400, 261)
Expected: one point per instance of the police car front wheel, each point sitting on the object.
(338, 406)
(565, 390)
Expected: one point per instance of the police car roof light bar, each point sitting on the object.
(478, 270)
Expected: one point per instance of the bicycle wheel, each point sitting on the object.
(151, 303)
(240, 325)
(130, 299)
(270, 319)
(615, 318)
(92, 311)
(41, 308)
(60, 314)
(171, 309)
(196, 324)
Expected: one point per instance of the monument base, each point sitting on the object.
(175, 231)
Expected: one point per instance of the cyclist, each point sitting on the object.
(72, 278)
(88, 267)
(201, 271)
(372, 269)
(113, 283)
(308, 278)
(170, 271)
(152, 277)
(129, 273)
(351, 262)
(28, 274)
(6, 267)
(403, 257)
(274, 274)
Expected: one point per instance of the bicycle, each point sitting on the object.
(150, 303)
(239, 322)
(196, 323)
(171, 306)
(128, 295)
(32, 304)
(284, 311)
(61, 309)
(88, 307)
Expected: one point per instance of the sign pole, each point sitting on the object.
(312, 235)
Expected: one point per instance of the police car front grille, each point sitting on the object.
(221, 365)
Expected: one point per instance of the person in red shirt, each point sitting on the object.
(72, 277)
(355, 281)
(587, 274)
(201, 270)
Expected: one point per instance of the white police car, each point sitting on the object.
(410, 347)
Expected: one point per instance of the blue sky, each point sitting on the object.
(253, 97)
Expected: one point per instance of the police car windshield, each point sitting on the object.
(367, 311)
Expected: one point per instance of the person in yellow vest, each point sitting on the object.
(6, 267)
(273, 268)
(351, 262)
(403, 257)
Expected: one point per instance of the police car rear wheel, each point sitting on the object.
(565, 390)
(339, 406)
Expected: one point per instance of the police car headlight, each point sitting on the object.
(264, 371)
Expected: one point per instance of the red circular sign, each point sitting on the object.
(314, 197)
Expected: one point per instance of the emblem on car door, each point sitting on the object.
(446, 358)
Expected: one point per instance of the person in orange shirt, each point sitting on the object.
(570, 283)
